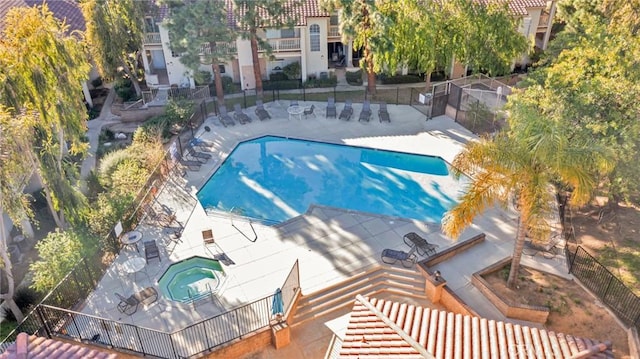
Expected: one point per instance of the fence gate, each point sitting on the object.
(439, 99)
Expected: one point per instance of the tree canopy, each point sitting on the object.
(199, 31)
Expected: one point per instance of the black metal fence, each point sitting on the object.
(51, 321)
(606, 286)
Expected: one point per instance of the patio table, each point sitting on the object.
(134, 265)
(131, 239)
(295, 111)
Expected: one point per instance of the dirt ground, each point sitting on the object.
(572, 310)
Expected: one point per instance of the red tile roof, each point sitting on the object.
(66, 10)
(385, 329)
(32, 347)
(517, 7)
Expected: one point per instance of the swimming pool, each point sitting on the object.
(273, 179)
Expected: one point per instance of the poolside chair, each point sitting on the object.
(129, 305)
(383, 114)
(207, 237)
(190, 164)
(197, 155)
(331, 108)
(151, 251)
(421, 245)
(163, 218)
(240, 116)
(202, 145)
(309, 111)
(261, 112)
(224, 117)
(365, 114)
(293, 103)
(347, 111)
(391, 256)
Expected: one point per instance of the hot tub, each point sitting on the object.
(191, 279)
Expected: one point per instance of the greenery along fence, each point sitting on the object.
(606, 286)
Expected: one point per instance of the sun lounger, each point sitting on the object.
(331, 108)
(190, 164)
(197, 155)
(129, 305)
(421, 245)
(365, 114)
(207, 237)
(224, 117)
(391, 256)
(347, 111)
(383, 114)
(151, 251)
(261, 112)
(240, 116)
(201, 144)
(163, 218)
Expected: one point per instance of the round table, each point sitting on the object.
(295, 111)
(133, 265)
(131, 239)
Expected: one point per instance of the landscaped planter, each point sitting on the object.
(532, 313)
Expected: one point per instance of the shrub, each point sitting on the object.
(278, 76)
(178, 112)
(97, 82)
(292, 71)
(315, 82)
(25, 298)
(202, 78)
(354, 78)
(281, 85)
(227, 86)
(399, 79)
(124, 89)
(58, 253)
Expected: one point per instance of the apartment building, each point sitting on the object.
(315, 42)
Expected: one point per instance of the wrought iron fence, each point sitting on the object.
(606, 286)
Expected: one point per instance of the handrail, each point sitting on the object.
(255, 238)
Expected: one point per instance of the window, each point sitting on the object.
(287, 33)
(314, 35)
(333, 20)
(222, 69)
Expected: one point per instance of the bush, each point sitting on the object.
(124, 89)
(202, 78)
(178, 111)
(25, 298)
(227, 86)
(278, 76)
(281, 85)
(97, 82)
(316, 83)
(399, 79)
(354, 78)
(58, 253)
(438, 76)
(292, 71)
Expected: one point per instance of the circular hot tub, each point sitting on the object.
(190, 279)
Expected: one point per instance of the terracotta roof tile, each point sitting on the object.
(42, 348)
(517, 7)
(66, 10)
(410, 329)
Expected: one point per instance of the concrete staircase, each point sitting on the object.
(400, 281)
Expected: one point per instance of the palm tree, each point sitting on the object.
(521, 165)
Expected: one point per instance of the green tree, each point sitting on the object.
(362, 22)
(58, 254)
(43, 70)
(15, 171)
(252, 16)
(199, 31)
(520, 166)
(114, 35)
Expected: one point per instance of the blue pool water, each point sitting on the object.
(273, 179)
(190, 279)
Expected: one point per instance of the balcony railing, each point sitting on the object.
(152, 38)
(283, 45)
(334, 31)
(230, 47)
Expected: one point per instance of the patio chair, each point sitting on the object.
(365, 114)
(224, 117)
(190, 164)
(151, 251)
(331, 108)
(261, 112)
(421, 245)
(128, 305)
(309, 111)
(201, 145)
(197, 155)
(293, 103)
(383, 114)
(347, 111)
(240, 116)
(163, 218)
(391, 256)
(207, 237)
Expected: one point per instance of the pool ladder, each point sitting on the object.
(255, 235)
(195, 298)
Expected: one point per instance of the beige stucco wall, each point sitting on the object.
(315, 61)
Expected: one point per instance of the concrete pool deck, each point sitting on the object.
(331, 245)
